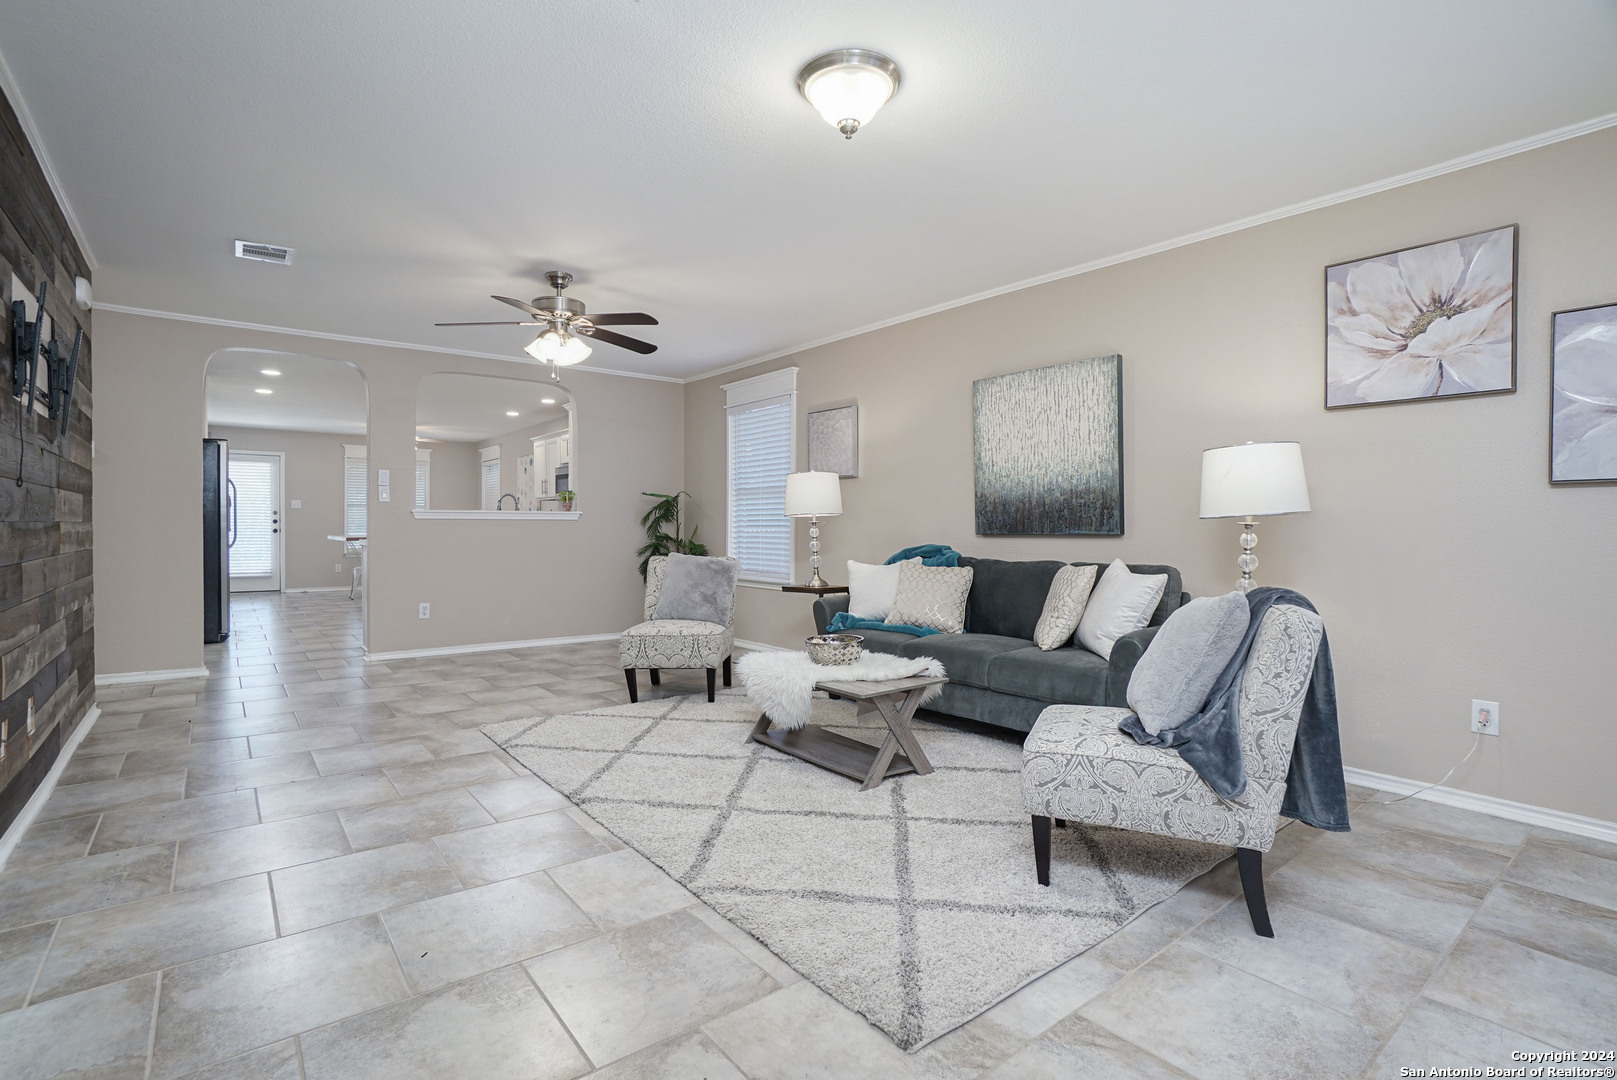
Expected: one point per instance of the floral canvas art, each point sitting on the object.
(1583, 406)
(1426, 322)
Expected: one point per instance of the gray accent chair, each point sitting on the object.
(676, 644)
(1077, 765)
(996, 674)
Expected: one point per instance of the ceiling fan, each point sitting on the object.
(562, 343)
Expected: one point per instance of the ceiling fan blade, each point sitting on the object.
(506, 323)
(622, 318)
(622, 341)
(524, 305)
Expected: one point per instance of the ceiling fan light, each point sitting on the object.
(848, 86)
(556, 347)
(573, 351)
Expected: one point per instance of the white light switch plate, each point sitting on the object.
(382, 477)
(297, 504)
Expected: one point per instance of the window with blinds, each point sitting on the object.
(760, 536)
(423, 479)
(355, 490)
(253, 553)
(489, 476)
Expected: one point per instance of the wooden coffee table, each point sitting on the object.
(895, 699)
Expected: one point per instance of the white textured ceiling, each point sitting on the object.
(471, 408)
(311, 393)
(421, 154)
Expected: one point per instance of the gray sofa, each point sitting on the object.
(996, 674)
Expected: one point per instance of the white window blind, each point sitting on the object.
(489, 472)
(423, 479)
(253, 552)
(760, 457)
(355, 490)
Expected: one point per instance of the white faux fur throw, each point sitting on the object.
(782, 683)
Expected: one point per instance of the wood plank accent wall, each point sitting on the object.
(47, 633)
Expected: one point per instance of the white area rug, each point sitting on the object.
(914, 904)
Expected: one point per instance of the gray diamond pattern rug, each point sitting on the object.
(914, 904)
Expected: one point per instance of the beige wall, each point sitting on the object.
(486, 580)
(1445, 565)
(313, 475)
(454, 475)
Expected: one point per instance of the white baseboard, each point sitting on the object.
(117, 678)
(487, 646)
(760, 646)
(319, 588)
(36, 802)
(1593, 828)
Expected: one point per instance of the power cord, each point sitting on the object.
(1476, 743)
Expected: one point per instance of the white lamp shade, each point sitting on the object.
(813, 494)
(1254, 480)
(557, 348)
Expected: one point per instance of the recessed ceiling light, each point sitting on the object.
(547, 401)
(269, 371)
(509, 413)
(262, 390)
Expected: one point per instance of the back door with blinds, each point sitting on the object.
(760, 457)
(255, 522)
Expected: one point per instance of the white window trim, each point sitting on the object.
(759, 392)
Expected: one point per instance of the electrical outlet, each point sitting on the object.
(337, 569)
(423, 611)
(1485, 717)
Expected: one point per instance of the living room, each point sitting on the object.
(432, 830)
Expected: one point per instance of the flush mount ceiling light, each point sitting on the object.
(262, 390)
(848, 86)
(558, 347)
(268, 371)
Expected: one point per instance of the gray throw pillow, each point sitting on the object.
(698, 587)
(1171, 682)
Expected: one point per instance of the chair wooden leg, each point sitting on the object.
(726, 671)
(634, 687)
(1251, 864)
(712, 679)
(656, 677)
(1041, 848)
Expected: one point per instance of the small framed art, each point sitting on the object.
(833, 441)
(1583, 396)
(1433, 321)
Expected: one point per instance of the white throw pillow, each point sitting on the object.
(1064, 606)
(932, 596)
(1121, 603)
(871, 588)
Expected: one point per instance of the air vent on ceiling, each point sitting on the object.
(246, 249)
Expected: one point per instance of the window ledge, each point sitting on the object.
(772, 586)
(498, 515)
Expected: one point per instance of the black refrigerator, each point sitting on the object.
(218, 533)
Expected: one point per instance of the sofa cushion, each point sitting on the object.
(1007, 597)
(931, 597)
(1170, 593)
(887, 641)
(966, 657)
(1075, 676)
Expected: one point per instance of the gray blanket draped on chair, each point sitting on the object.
(1210, 741)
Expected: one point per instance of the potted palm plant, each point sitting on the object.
(663, 513)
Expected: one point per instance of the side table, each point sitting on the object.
(895, 699)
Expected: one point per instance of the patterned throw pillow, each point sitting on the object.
(1064, 606)
(932, 596)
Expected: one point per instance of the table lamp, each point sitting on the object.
(1250, 481)
(813, 495)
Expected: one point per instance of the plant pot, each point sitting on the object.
(567, 506)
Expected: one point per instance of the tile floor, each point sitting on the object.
(310, 866)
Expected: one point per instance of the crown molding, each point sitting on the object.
(30, 130)
(320, 335)
(1481, 157)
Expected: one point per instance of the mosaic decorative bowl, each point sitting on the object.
(834, 649)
